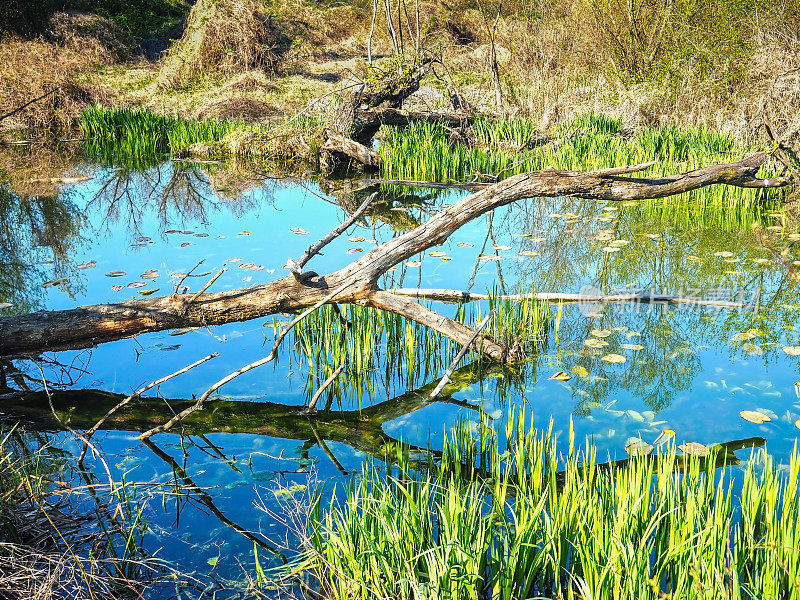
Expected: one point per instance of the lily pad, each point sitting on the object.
(115, 273)
(499, 247)
(636, 447)
(437, 253)
(632, 346)
(149, 292)
(580, 371)
(595, 343)
(601, 333)
(528, 253)
(357, 238)
(413, 263)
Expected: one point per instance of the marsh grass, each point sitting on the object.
(135, 135)
(535, 519)
(423, 152)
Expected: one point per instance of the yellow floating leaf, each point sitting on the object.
(638, 448)
(464, 245)
(694, 448)
(357, 238)
(148, 292)
(614, 359)
(619, 243)
(561, 376)
(633, 346)
(297, 230)
(791, 350)
(499, 247)
(754, 416)
(116, 288)
(595, 343)
(601, 333)
(437, 253)
(580, 371)
(528, 253)
(115, 273)
(611, 249)
(797, 423)
(413, 263)
(494, 257)
(694, 258)
(723, 254)
(137, 284)
(355, 250)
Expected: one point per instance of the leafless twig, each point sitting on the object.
(451, 369)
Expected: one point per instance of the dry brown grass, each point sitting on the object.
(29, 68)
(223, 38)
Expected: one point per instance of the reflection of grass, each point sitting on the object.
(423, 152)
(518, 528)
(379, 347)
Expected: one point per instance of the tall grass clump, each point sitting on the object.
(131, 135)
(422, 151)
(533, 519)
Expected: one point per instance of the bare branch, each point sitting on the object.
(464, 349)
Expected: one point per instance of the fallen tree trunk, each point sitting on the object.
(339, 145)
(86, 326)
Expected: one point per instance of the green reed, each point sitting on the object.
(422, 151)
(132, 135)
(530, 521)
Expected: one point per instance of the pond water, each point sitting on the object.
(123, 232)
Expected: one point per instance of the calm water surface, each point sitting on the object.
(688, 368)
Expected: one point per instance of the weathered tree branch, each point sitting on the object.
(90, 325)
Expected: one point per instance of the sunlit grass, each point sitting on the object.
(535, 519)
(423, 152)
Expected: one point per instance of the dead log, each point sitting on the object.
(341, 146)
(87, 326)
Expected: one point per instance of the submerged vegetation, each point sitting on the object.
(531, 519)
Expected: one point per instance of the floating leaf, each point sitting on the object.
(636, 447)
(357, 238)
(246, 265)
(619, 243)
(413, 263)
(611, 249)
(149, 292)
(54, 282)
(5, 305)
(595, 343)
(298, 230)
(664, 437)
(614, 359)
(464, 245)
(653, 236)
(149, 274)
(761, 261)
(87, 265)
(791, 350)
(185, 330)
(212, 561)
(528, 253)
(115, 273)
(437, 253)
(355, 250)
(694, 258)
(201, 235)
(601, 333)
(188, 232)
(137, 284)
(142, 238)
(116, 288)
(580, 371)
(494, 257)
(744, 336)
(797, 423)
(555, 216)
(724, 254)
(234, 259)
(754, 416)
(173, 231)
(186, 244)
(257, 268)
(499, 247)
(632, 346)
(245, 232)
(561, 376)
(538, 239)
(694, 448)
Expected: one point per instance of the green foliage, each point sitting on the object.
(137, 136)
(422, 151)
(531, 521)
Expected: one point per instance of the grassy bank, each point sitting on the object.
(543, 520)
